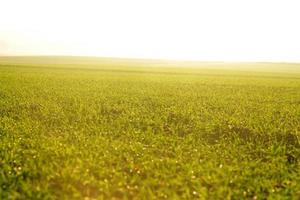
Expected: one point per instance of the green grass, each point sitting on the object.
(102, 129)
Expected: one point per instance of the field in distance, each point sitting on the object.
(102, 128)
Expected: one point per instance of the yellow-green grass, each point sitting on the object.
(78, 127)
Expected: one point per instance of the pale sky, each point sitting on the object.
(208, 30)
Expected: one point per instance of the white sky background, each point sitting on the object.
(210, 30)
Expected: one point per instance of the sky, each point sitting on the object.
(204, 30)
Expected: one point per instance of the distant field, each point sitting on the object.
(91, 128)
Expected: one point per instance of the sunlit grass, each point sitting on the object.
(103, 130)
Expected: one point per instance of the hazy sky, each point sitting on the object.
(229, 30)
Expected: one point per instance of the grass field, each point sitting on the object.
(87, 128)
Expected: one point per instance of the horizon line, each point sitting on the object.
(155, 59)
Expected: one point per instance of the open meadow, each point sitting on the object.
(91, 128)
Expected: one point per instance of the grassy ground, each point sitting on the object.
(104, 130)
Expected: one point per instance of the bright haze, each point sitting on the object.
(210, 30)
